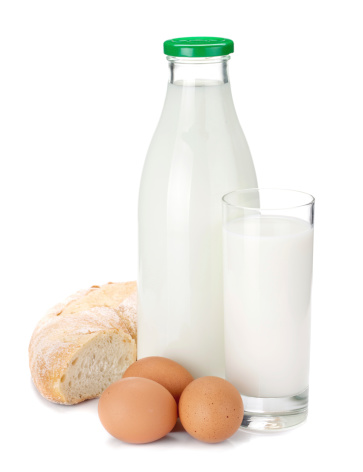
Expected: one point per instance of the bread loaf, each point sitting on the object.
(85, 343)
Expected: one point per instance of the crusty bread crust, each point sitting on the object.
(70, 325)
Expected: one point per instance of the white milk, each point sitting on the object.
(197, 155)
(267, 285)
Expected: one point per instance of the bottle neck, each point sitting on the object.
(198, 71)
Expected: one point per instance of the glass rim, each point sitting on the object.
(274, 189)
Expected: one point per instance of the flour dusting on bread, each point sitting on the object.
(85, 343)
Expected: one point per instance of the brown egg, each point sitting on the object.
(211, 409)
(137, 410)
(166, 372)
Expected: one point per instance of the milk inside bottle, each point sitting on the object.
(197, 155)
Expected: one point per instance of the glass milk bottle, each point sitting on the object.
(197, 155)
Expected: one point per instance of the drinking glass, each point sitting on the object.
(267, 268)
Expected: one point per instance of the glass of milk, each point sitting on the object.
(267, 268)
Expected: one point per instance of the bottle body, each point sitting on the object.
(197, 155)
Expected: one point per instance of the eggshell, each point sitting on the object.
(211, 409)
(137, 410)
(166, 372)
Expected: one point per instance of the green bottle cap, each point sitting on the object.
(198, 46)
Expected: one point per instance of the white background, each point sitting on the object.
(82, 85)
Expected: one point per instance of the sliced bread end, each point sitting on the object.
(99, 363)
